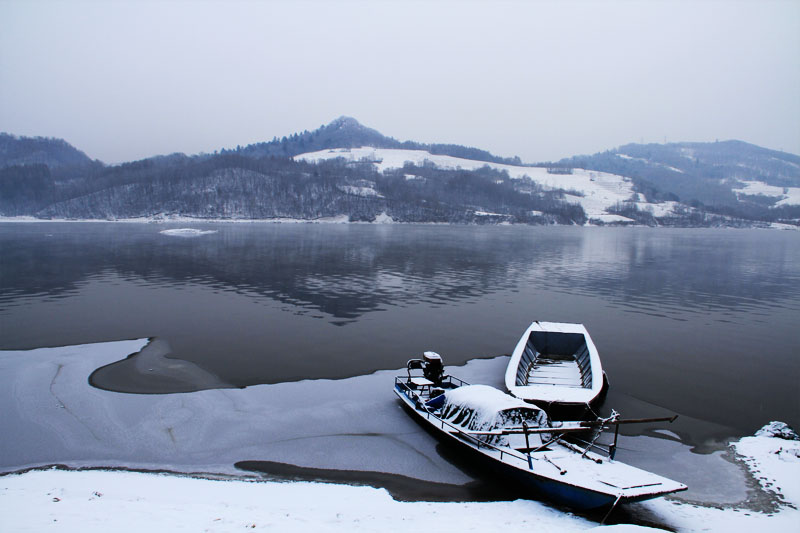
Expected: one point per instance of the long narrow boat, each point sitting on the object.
(517, 440)
(555, 364)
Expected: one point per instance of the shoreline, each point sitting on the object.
(344, 220)
(91, 498)
(152, 438)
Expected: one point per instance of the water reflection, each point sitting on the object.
(347, 272)
(674, 312)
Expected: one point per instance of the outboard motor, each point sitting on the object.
(433, 368)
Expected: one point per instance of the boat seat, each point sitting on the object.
(420, 383)
(549, 371)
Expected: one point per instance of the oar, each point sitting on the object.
(669, 419)
(582, 426)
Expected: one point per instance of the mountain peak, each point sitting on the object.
(345, 122)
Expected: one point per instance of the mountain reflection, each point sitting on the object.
(264, 303)
(345, 272)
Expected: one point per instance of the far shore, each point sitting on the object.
(343, 219)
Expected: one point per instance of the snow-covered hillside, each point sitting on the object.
(596, 191)
(786, 195)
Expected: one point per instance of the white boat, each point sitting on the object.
(555, 363)
(517, 440)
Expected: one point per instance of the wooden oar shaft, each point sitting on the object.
(570, 429)
(630, 421)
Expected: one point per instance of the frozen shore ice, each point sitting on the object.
(46, 400)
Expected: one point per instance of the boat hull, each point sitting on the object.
(556, 365)
(529, 482)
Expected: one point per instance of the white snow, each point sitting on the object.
(486, 403)
(771, 459)
(663, 209)
(89, 501)
(125, 501)
(489, 214)
(787, 195)
(775, 463)
(643, 160)
(612, 218)
(360, 191)
(600, 190)
(384, 218)
(187, 232)
(46, 399)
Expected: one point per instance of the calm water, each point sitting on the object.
(705, 323)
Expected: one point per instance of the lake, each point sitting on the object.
(703, 323)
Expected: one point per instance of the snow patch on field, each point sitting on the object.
(360, 191)
(609, 219)
(599, 190)
(663, 209)
(787, 195)
(643, 160)
(384, 218)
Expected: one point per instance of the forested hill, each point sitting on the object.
(351, 172)
(51, 152)
(727, 177)
(347, 132)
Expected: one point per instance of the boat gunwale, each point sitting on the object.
(552, 393)
(413, 401)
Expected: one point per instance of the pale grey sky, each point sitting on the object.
(542, 80)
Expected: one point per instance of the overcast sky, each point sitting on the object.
(542, 80)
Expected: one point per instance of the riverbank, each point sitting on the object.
(382, 219)
(58, 418)
(87, 501)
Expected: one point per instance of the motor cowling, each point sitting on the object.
(433, 368)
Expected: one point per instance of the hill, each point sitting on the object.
(53, 153)
(347, 171)
(730, 178)
(347, 132)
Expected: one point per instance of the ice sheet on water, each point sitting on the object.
(186, 232)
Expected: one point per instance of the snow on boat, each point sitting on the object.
(517, 440)
(555, 363)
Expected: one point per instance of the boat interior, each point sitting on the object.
(555, 358)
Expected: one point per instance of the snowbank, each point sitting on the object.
(775, 463)
(89, 501)
(125, 501)
(54, 417)
(773, 456)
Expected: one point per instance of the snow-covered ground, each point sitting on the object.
(125, 501)
(600, 190)
(86, 501)
(54, 416)
(787, 195)
(647, 161)
(360, 191)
